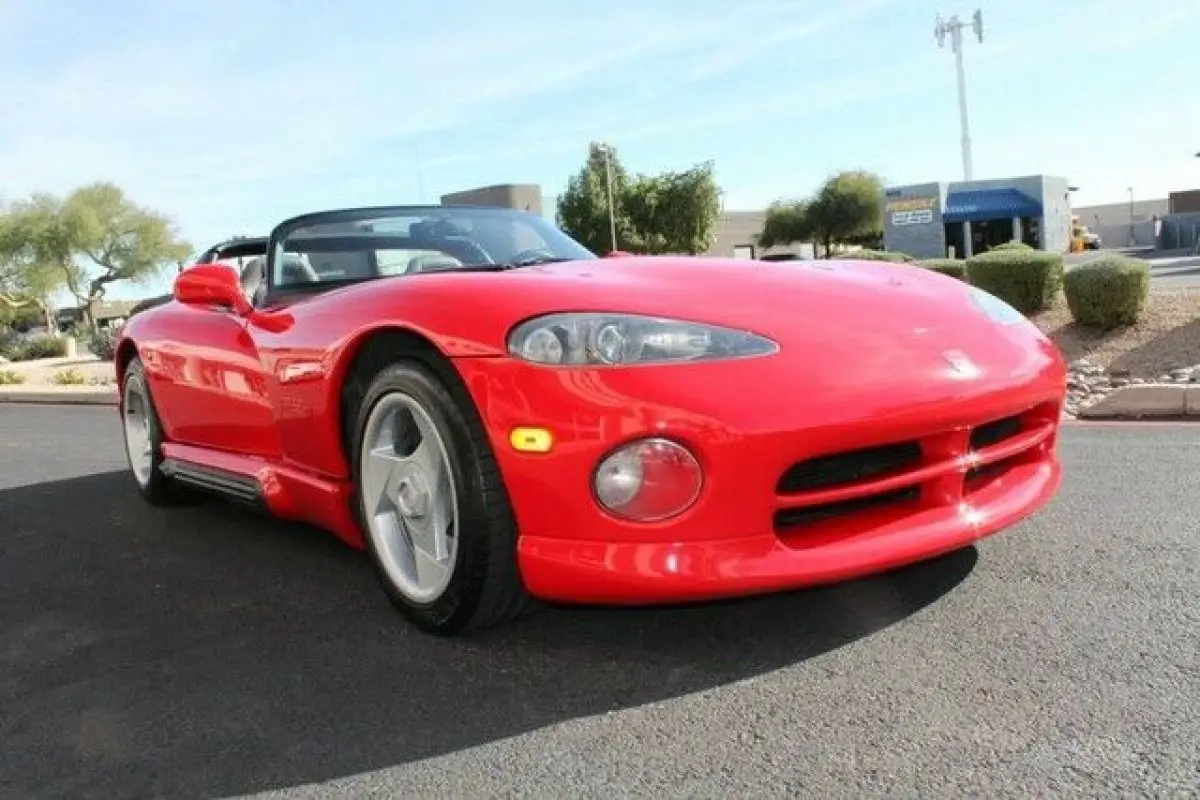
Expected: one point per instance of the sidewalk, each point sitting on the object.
(59, 395)
(93, 381)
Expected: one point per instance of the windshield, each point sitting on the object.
(362, 244)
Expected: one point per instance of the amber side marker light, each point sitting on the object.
(531, 440)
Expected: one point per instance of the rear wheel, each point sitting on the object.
(431, 504)
(144, 438)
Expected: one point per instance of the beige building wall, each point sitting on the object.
(521, 196)
(1112, 221)
(736, 235)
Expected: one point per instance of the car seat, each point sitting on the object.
(296, 269)
(253, 279)
(423, 262)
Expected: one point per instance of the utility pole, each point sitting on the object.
(612, 212)
(1132, 238)
(954, 27)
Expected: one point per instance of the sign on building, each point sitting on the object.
(911, 210)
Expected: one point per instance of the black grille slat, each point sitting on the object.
(853, 466)
(796, 517)
(995, 432)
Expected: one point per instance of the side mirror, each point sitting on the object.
(618, 254)
(212, 285)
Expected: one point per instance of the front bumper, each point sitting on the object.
(738, 538)
(620, 573)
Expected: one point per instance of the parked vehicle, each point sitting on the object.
(497, 416)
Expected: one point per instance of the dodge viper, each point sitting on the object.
(498, 416)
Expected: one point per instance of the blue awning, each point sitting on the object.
(981, 204)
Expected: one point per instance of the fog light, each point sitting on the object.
(648, 480)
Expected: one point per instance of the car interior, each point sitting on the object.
(363, 255)
(337, 252)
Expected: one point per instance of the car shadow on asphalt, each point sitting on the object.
(209, 651)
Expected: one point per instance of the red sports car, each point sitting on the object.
(497, 415)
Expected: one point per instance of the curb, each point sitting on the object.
(59, 397)
(1146, 400)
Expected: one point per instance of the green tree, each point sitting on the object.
(28, 278)
(583, 209)
(674, 212)
(787, 222)
(848, 209)
(95, 237)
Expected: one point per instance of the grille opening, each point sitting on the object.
(983, 476)
(797, 517)
(980, 477)
(852, 466)
(995, 432)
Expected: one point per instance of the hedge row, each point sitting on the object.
(44, 346)
(879, 255)
(954, 267)
(1028, 280)
(1106, 292)
(1109, 291)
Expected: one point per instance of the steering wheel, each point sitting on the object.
(460, 247)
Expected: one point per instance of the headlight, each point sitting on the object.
(577, 339)
(994, 307)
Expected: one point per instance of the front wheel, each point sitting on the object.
(432, 506)
(143, 437)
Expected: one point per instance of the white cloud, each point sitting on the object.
(783, 31)
(229, 119)
(193, 114)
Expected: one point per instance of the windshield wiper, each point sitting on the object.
(529, 262)
(502, 266)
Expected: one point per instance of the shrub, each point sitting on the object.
(1013, 245)
(878, 255)
(44, 346)
(954, 267)
(1028, 280)
(68, 377)
(10, 378)
(1108, 292)
(8, 339)
(104, 344)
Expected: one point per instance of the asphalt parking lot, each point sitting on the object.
(1175, 273)
(207, 652)
(1166, 272)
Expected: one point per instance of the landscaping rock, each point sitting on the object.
(1088, 383)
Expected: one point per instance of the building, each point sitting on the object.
(107, 313)
(961, 218)
(521, 196)
(737, 236)
(1133, 223)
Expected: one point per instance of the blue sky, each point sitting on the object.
(230, 116)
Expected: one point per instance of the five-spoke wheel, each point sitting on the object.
(143, 439)
(139, 434)
(409, 497)
(430, 500)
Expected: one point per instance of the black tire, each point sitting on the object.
(485, 588)
(159, 489)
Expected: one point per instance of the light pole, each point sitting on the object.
(954, 26)
(1132, 238)
(612, 212)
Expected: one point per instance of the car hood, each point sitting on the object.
(799, 300)
(843, 324)
(880, 316)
